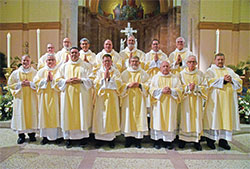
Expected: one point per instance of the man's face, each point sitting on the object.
(66, 43)
(191, 63)
(131, 42)
(26, 62)
(74, 54)
(50, 48)
(108, 46)
(155, 46)
(85, 46)
(51, 61)
(107, 62)
(180, 44)
(134, 63)
(165, 68)
(219, 61)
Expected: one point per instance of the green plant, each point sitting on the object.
(239, 68)
(244, 108)
(6, 106)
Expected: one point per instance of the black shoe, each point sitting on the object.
(169, 145)
(210, 143)
(59, 140)
(181, 144)
(21, 138)
(44, 141)
(98, 144)
(128, 142)
(138, 143)
(112, 144)
(224, 144)
(68, 144)
(197, 146)
(157, 144)
(32, 137)
(83, 142)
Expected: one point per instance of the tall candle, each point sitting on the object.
(38, 43)
(217, 40)
(8, 50)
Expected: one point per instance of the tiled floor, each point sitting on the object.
(34, 155)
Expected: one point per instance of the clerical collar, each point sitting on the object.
(217, 67)
(128, 50)
(103, 69)
(161, 74)
(152, 51)
(182, 50)
(105, 52)
(66, 49)
(82, 52)
(50, 69)
(132, 70)
(25, 70)
(72, 62)
(186, 70)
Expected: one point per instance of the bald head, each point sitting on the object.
(66, 43)
(165, 68)
(108, 46)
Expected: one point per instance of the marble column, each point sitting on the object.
(69, 21)
(190, 17)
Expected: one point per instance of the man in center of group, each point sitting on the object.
(133, 103)
(76, 98)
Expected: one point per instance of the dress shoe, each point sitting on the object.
(112, 144)
(20, 140)
(169, 145)
(44, 141)
(197, 146)
(68, 144)
(128, 142)
(32, 137)
(181, 144)
(59, 141)
(224, 144)
(157, 144)
(98, 144)
(210, 143)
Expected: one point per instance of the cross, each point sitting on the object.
(128, 30)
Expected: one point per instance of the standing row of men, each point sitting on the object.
(121, 87)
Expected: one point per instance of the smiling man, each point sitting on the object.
(221, 113)
(76, 98)
(165, 89)
(25, 110)
(42, 60)
(86, 54)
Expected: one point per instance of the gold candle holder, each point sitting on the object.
(7, 72)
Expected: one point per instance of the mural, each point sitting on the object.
(129, 10)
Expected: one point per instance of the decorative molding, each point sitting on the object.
(224, 26)
(29, 26)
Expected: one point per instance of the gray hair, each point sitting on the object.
(192, 56)
(177, 39)
(84, 39)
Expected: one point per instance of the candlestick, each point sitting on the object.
(8, 50)
(217, 40)
(38, 44)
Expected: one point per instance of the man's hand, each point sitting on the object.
(106, 74)
(85, 59)
(179, 60)
(25, 83)
(50, 77)
(131, 54)
(228, 78)
(133, 85)
(156, 58)
(166, 90)
(191, 86)
(73, 80)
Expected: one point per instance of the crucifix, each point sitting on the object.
(128, 32)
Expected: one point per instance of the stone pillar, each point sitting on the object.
(69, 21)
(190, 17)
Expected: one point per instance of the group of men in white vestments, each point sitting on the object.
(75, 93)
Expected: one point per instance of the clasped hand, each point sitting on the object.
(73, 80)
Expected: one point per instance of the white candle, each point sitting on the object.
(38, 43)
(217, 40)
(8, 50)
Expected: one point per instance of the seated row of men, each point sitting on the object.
(74, 101)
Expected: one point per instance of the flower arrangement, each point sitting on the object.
(244, 108)
(6, 106)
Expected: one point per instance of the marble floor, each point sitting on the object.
(33, 155)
